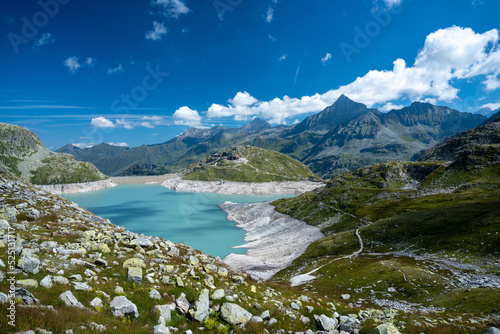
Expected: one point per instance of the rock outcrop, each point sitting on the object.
(242, 188)
(23, 154)
(69, 188)
(273, 240)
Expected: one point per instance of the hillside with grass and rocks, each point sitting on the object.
(416, 236)
(23, 154)
(75, 272)
(248, 164)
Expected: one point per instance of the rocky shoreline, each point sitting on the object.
(242, 188)
(59, 189)
(273, 239)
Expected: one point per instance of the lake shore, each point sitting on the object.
(70, 188)
(273, 240)
(242, 188)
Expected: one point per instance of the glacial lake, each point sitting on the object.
(190, 218)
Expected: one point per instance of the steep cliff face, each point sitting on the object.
(23, 154)
(479, 144)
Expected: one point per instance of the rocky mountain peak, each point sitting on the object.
(256, 125)
(342, 111)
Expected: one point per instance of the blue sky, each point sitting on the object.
(141, 72)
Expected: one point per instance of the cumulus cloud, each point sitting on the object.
(244, 106)
(187, 116)
(46, 38)
(72, 64)
(282, 58)
(101, 122)
(269, 15)
(158, 31)
(448, 55)
(90, 61)
(173, 8)
(122, 144)
(117, 69)
(491, 106)
(326, 58)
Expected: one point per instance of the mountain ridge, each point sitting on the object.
(342, 137)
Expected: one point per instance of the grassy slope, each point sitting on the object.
(22, 154)
(68, 226)
(463, 224)
(255, 165)
(63, 168)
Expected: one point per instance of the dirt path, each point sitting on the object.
(307, 277)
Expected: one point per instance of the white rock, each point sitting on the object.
(96, 303)
(218, 294)
(82, 286)
(154, 294)
(122, 307)
(161, 329)
(70, 300)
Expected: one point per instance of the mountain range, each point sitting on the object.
(390, 227)
(344, 136)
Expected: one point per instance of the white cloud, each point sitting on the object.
(101, 122)
(491, 106)
(326, 58)
(187, 116)
(448, 55)
(269, 15)
(282, 58)
(117, 69)
(126, 124)
(122, 144)
(173, 8)
(379, 5)
(46, 38)
(389, 106)
(72, 64)
(153, 118)
(83, 145)
(132, 122)
(158, 31)
(244, 106)
(146, 125)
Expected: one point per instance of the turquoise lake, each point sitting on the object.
(191, 218)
